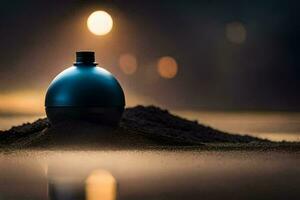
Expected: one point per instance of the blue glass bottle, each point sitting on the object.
(85, 92)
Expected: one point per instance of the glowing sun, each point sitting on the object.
(100, 23)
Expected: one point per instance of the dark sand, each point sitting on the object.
(140, 127)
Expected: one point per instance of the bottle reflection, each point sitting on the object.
(99, 184)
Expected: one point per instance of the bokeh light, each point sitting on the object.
(101, 185)
(167, 67)
(236, 32)
(100, 23)
(128, 63)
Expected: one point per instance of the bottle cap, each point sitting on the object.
(85, 58)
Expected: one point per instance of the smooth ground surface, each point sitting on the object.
(210, 171)
(149, 174)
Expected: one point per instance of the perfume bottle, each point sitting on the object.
(86, 92)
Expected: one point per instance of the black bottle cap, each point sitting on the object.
(85, 58)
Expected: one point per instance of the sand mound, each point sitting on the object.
(157, 122)
(139, 126)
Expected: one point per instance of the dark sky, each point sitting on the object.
(39, 39)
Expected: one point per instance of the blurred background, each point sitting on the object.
(206, 55)
(182, 55)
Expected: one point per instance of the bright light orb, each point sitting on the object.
(100, 23)
(167, 67)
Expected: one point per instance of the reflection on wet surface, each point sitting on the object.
(99, 184)
(146, 175)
